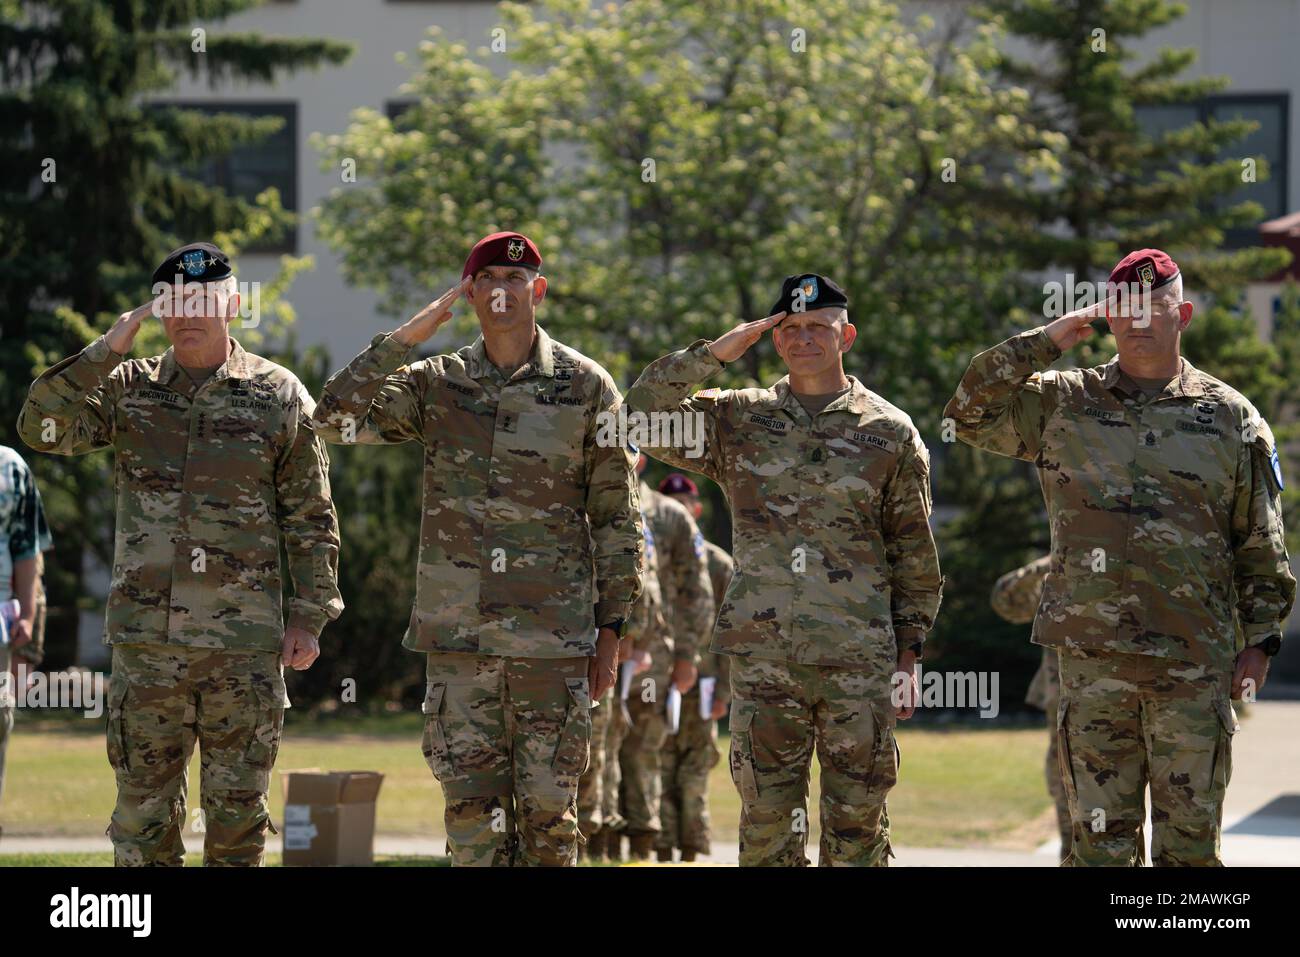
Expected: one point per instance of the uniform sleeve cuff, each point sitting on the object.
(1257, 634)
(909, 638)
(700, 349)
(386, 353)
(99, 360)
(1042, 347)
(607, 609)
(312, 622)
(32, 656)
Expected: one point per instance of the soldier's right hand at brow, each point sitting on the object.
(732, 345)
(121, 336)
(1073, 327)
(428, 320)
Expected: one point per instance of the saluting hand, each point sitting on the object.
(1073, 327)
(428, 320)
(122, 333)
(732, 345)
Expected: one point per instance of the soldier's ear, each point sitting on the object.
(1184, 316)
(539, 288)
(848, 335)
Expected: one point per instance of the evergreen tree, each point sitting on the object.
(96, 186)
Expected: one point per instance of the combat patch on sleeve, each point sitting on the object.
(1261, 436)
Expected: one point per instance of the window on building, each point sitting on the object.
(247, 170)
(1272, 112)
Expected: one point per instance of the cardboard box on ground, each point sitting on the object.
(329, 817)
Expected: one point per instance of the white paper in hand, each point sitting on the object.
(707, 687)
(674, 709)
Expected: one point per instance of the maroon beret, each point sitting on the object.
(502, 249)
(1150, 268)
(678, 484)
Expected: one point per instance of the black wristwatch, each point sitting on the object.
(1270, 646)
(617, 625)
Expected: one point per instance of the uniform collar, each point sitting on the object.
(236, 365)
(541, 360)
(1186, 384)
(857, 400)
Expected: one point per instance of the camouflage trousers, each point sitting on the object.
(1128, 722)
(780, 712)
(610, 793)
(162, 699)
(639, 758)
(508, 739)
(591, 786)
(688, 757)
(9, 681)
(1045, 693)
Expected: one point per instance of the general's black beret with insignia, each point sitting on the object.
(193, 262)
(809, 291)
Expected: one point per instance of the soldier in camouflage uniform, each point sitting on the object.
(520, 503)
(599, 818)
(692, 752)
(217, 465)
(1162, 487)
(1015, 598)
(837, 579)
(671, 658)
(24, 537)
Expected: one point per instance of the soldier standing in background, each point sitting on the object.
(670, 657)
(217, 465)
(24, 537)
(599, 817)
(1163, 492)
(692, 753)
(837, 580)
(521, 505)
(1015, 598)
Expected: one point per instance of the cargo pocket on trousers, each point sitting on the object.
(267, 728)
(434, 743)
(885, 758)
(743, 773)
(1065, 766)
(116, 730)
(573, 751)
(1228, 726)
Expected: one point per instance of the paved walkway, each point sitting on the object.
(1261, 815)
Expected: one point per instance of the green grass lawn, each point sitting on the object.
(979, 785)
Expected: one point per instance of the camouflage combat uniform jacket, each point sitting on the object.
(834, 560)
(1161, 511)
(208, 487)
(519, 497)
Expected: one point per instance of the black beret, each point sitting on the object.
(195, 262)
(806, 292)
